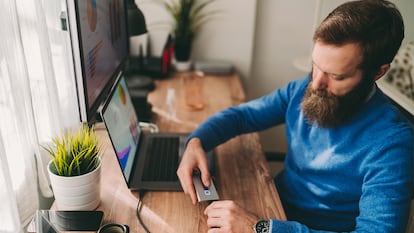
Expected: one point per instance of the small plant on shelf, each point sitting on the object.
(188, 16)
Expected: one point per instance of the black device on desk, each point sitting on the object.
(43, 225)
(51, 221)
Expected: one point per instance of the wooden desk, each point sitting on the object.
(241, 170)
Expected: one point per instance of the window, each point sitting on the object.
(37, 100)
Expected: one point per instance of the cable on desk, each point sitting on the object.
(138, 209)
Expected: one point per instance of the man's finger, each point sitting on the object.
(187, 185)
(205, 174)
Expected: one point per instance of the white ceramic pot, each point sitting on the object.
(182, 65)
(76, 192)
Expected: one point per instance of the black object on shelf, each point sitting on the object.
(153, 67)
(136, 80)
(136, 20)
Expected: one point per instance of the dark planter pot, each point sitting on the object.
(182, 52)
(182, 49)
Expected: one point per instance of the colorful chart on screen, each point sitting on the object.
(92, 14)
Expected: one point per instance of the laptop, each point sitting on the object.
(148, 161)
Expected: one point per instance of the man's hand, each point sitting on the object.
(227, 216)
(194, 158)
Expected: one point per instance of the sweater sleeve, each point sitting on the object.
(252, 116)
(277, 226)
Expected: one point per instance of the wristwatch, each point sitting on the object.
(262, 226)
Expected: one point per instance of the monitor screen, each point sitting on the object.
(100, 35)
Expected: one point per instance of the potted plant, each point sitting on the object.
(74, 169)
(188, 16)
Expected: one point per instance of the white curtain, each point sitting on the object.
(37, 101)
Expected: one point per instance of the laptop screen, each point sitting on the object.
(118, 111)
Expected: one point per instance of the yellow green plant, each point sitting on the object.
(75, 152)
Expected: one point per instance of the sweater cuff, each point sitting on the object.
(277, 226)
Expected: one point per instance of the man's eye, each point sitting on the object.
(337, 78)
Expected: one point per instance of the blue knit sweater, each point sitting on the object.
(355, 178)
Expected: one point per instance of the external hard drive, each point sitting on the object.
(204, 193)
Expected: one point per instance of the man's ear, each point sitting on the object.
(382, 70)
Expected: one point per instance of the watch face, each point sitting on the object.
(262, 226)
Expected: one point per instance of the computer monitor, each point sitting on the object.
(99, 37)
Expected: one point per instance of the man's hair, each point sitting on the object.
(376, 25)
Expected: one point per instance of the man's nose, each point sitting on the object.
(319, 81)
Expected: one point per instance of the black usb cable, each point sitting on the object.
(138, 209)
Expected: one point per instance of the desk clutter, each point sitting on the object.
(153, 66)
(160, 66)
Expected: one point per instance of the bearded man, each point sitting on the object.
(349, 164)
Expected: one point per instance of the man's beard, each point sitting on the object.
(328, 110)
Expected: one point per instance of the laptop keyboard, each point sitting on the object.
(162, 160)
